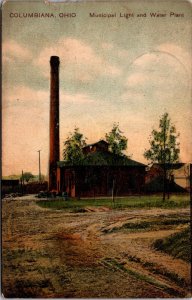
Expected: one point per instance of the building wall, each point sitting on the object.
(99, 181)
(181, 176)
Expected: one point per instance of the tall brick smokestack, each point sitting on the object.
(54, 123)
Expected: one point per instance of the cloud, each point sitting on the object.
(76, 98)
(12, 51)
(107, 46)
(155, 72)
(132, 96)
(145, 59)
(165, 56)
(136, 79)
(122, 53)
(179, 53)
(136, 103)
(158, 82)
(23, 93)
(26, 125)
(77, 58)
(25, 96)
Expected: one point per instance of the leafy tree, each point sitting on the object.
(117, 142)
(27, 176)
(73, 145)
(73, 152)
(164, 146)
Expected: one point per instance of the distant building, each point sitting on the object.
(99, 173)
(9, 186)
(178, 181)
(10, 183)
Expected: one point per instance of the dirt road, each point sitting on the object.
(50, 253)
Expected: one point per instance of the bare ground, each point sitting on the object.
(50, 253)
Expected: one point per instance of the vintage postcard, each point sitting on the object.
(96, 149)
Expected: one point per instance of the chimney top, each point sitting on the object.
(54, 60)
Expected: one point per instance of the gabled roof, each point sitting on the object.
(102, 157)
(157, 185)
(109, 159)
(168, 166)
(93, 144)
(105, 159)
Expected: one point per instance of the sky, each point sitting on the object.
(112, 69)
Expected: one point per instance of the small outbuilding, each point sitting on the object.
(178, 177)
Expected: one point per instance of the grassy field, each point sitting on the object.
(176, 201)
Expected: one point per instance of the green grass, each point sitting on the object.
(157, 223)
(177, 245)
(74, 205)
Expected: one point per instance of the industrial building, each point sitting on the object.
(100, 172)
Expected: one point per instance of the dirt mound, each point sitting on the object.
(97, 209)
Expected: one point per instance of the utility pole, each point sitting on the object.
(22, 183)
(39, 165)
(190, 182)
(113, 184)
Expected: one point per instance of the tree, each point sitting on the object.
(73, 145)
(164, 146)
(27, 176)
(117, 142)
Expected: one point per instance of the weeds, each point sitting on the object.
(156, 224)
(74, 205)
(26, 288)
(178, 245)
(29, 278)
(115, 265)
(156, 269)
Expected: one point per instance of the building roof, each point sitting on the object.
(104, 159)
(93, 144)
(169, 166)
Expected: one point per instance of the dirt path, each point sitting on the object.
(50, 253)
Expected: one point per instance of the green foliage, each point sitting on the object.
(117, 142)
(73, 153)
(27, 176)
(132, 202)
(157, 223)
(164, 145)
